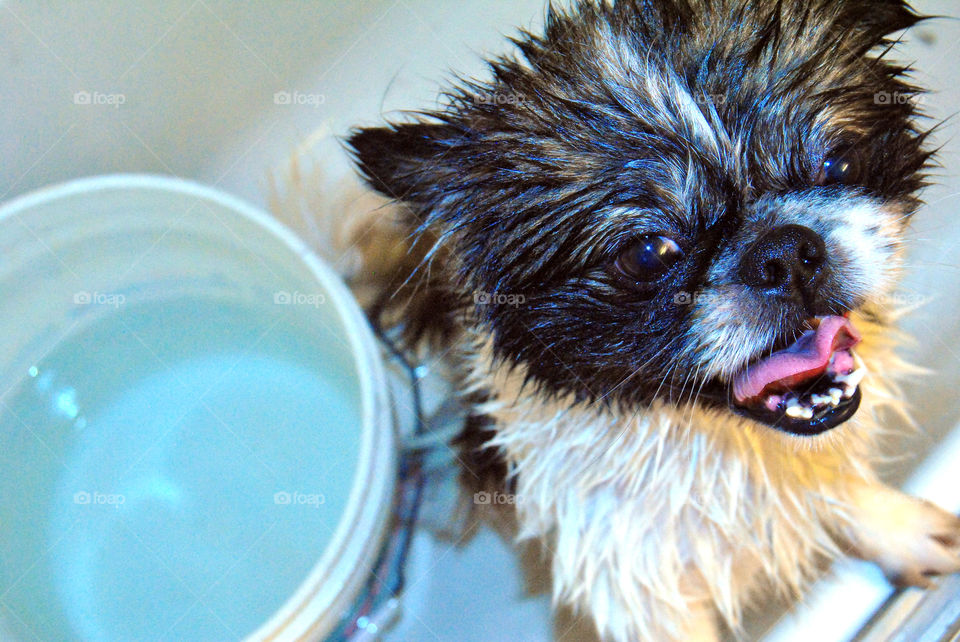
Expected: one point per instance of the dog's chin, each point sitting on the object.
(807, 387)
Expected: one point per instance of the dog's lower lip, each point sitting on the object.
(819, 424)
(808, 387)
(819, 404)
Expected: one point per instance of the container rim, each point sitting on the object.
(314, 609)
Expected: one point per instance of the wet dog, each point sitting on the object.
(656, 248)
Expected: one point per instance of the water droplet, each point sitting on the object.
(66, 403)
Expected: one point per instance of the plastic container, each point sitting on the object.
(196, 434)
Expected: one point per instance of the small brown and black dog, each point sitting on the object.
(654, 248)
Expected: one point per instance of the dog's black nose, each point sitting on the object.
(787, 260)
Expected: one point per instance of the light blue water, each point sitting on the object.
(173, 472)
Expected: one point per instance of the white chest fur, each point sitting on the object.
(650, 512)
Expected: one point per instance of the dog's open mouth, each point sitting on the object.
(808, 387)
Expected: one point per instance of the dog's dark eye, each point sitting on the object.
(840, 170)
(649, 258)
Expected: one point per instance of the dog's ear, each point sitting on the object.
(408, 162)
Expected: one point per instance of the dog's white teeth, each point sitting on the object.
(832, 399)
(797, 411)
(851, 381)
(821, 400)
(807, 406)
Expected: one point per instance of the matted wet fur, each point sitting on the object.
(701, 126)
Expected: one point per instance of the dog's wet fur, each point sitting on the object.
(604, 398)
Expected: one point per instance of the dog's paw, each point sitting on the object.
(910, 539)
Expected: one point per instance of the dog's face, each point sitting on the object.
(685, 198)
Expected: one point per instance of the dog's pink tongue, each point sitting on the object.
(810, 355)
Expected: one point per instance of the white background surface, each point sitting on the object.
(198, 79)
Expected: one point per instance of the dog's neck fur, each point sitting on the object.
(700, 503)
